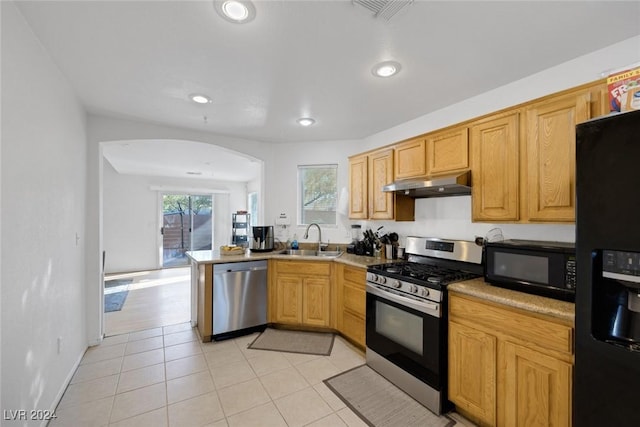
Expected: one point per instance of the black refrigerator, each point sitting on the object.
(607, 355)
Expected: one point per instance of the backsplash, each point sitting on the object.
(449, 217)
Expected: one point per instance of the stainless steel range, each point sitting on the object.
(406, 325)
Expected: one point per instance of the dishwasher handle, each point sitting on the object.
(240, 270)
(233, 267)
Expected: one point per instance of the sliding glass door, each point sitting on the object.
(186, 226)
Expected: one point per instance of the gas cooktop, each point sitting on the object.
(433, 262)
(422, 273)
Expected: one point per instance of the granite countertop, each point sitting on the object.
(551, 307)
(214, 257)
(475, 287)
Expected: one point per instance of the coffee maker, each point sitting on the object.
(262, 238)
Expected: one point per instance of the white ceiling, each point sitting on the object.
(141, 59)
(180, 159)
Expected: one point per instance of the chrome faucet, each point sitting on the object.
(306, 235)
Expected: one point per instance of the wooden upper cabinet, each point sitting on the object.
(448, 151)
(358, 184)
(368, 173)
(551, 152)
(381, 204)
(495, 168)
(410, 159)
(600, 101)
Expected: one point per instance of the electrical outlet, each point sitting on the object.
(59, 345)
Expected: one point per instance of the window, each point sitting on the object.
(318, 194)
(252, 202)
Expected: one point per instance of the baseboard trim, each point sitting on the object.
(65, 384)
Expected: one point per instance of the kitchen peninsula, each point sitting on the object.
(203, 263)
(495, 335)
(343, 277)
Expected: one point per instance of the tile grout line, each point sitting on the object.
(239, 345)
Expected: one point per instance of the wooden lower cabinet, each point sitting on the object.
(300, 293)
(351, 303)
(316, 310)
(537, 388)
(508, 367)
(472, 371)
(289, 299)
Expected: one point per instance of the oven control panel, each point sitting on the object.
(406, 287)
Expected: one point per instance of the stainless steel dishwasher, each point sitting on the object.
(239, 298)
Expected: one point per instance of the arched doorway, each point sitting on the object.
(136, 177)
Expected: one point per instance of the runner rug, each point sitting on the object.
(318, 343)
(115, 294)
(379, 403)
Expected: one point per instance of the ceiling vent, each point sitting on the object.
(383, 8)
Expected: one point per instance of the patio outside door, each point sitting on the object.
(186, 226)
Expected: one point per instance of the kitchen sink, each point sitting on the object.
(300, 252)
(329, 254)
(307, 252)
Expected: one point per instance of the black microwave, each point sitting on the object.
(536, 267)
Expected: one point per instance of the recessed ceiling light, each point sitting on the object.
(305, 121)
(200, 98)
(236, 11)
(386, 69)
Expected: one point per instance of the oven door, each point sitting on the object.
(407, 333)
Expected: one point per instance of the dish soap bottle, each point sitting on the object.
(294, 244)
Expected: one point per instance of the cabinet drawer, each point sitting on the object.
(355, 275)
(354, 298)
(512, 322)
(353, 327)
(305, 268)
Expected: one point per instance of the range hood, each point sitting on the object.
(440, 186)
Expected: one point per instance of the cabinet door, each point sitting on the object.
(353, 327)
(410, 159)
(358, 182)
(551, 153)
(316, 299)
(448, 151)
(472, 372)
(495, 166)
(537, 388)
(288, 299)
(380, 174)
(351, 303)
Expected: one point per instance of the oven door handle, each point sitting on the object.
(429, 308)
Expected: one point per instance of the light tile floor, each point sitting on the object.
(156, 298)
(165, 377)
